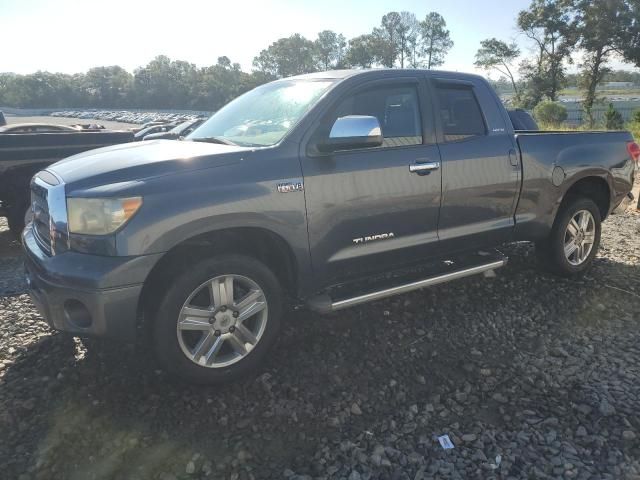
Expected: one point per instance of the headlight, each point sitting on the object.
(100, 216)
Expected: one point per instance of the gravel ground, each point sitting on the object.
(530, 376)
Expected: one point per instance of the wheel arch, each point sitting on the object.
(260, 243)
(593, 186)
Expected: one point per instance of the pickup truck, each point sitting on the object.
(24, 154)
(325, 191)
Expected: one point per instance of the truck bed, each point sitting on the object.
(553, 160)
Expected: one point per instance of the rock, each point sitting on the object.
(628, 436)
(355, 475)
(191, 468)
(605, 408)
(584, 409)
(581, 431)
(499, 397)
(469, 437)
(479, 456)
(355, 409)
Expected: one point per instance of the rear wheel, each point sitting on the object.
(217, 319)
(574, 240)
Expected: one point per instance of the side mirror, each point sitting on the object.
(351, 132)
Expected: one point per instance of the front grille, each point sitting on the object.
(41, 217)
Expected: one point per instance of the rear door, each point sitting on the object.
(372, 209)
(480, 166)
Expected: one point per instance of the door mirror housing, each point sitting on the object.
(351, 132)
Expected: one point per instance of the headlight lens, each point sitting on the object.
(100, 216)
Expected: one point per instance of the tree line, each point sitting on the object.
(401, 40)
(556, 29)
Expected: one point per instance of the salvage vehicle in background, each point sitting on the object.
(36, 128)
(164, 127)
(522, 120)
(182, 130)
(22, 154)
(325, 190)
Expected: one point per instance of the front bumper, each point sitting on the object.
(86, 295)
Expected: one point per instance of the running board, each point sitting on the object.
(324, 303)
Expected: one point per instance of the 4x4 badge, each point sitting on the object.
(292, 186)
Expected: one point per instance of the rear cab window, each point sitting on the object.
(460, 113)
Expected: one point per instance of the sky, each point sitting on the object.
(72, 36)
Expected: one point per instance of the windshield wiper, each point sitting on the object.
(220, 140)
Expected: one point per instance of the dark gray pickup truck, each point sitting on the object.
(324, 190)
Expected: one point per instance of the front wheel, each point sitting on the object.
(217, 319)
(574, 240)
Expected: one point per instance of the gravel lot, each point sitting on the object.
(530, 375)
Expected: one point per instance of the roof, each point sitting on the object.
(342, 74)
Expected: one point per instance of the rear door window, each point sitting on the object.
(460, 114)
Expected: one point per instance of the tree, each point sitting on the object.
(498, 55)
(549, 25)
(602, 29)
(164, 83)
(550, 113)
(387, 39)
(613, 119)
(107, 86)
(361, 52)
(436, 41)
(408, 34)
(287, 56)
(329, 49)
(631, 33)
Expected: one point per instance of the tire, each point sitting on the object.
(17, 218)
(219, 358)
(551, 251)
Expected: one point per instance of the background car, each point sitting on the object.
(139, 136)
(182, 130)
(37, 128)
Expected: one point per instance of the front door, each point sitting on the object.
(372, 209)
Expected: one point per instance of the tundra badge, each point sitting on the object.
(371, 238)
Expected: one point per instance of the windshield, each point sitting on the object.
(263, 116)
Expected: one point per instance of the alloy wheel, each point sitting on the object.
(579, 237)
(222, 321)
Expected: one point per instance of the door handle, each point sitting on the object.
(513, 158)
(424, 168)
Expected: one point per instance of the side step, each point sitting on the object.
(325, 304)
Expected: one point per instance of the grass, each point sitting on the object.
(629, 92)
(633, 127)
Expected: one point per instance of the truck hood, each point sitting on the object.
(138, 161)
